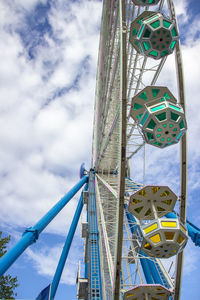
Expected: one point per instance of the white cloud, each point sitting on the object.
(45, 131)
(181, 10)
(29, 5)
(45, 261)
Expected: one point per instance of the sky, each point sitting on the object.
(48, 55)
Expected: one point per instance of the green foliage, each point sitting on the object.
(7, 282)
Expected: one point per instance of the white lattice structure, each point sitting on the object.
(122, 74)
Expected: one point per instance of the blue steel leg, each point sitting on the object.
(31, 234)
(64, 254)
(156, 276)
(146, 271)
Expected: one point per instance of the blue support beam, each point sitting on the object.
(156, 272)
(65, 251)
(95, 287)
(31, 234)
(146, 270)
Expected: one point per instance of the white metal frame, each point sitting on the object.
(122, 73)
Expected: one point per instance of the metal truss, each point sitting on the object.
(122, 73)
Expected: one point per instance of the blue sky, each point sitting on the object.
(48, 65)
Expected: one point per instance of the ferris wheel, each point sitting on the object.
(133, 238)
(136, 238)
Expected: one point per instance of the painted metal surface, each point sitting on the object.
(82, 171)
(122, 157)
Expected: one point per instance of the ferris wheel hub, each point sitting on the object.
(82, 171)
